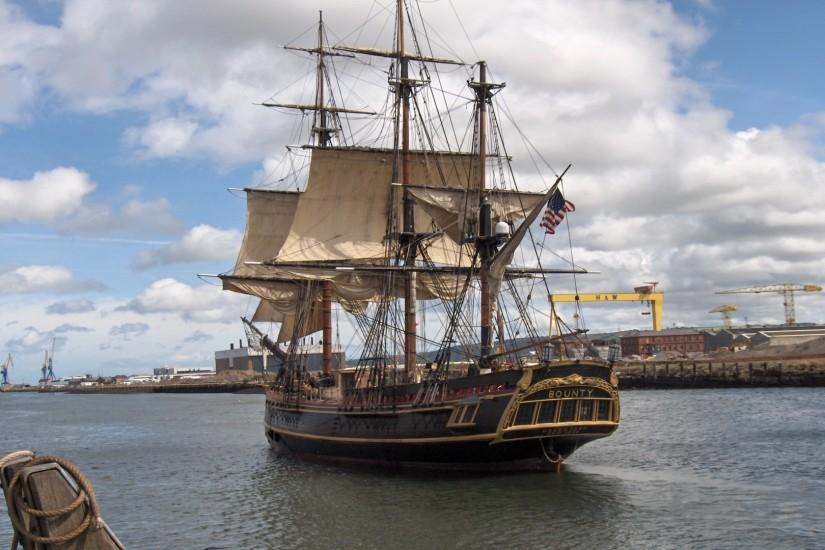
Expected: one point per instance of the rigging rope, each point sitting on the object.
(18, 508)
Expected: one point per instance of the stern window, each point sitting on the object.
(568, 410)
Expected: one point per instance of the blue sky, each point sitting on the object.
(759, 61)
(680, 120)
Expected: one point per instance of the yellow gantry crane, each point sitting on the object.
(645, 293)
(786, 289)
(725, 310)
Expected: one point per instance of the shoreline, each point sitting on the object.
(212, 387)
(674, 374)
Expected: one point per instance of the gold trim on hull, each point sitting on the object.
(405, 440)
(507, 424)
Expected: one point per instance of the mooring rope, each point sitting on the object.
(558, 458)
(15, 501)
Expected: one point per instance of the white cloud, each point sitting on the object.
(162, 138)
(33, 341)
(68, 327)
(63, 307)
(129, 330)
(198, 336)
(201, 243)
(61, 198)
(135, 217)
(44, 198)
(43, 278)
(19, 40)
(205, 303)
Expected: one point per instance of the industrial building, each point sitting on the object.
(735, 339)
(645, 343)
(247, 360)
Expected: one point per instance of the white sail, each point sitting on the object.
(269, 215)
(342, 215)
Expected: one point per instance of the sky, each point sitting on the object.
(694, 129)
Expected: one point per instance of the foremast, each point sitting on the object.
(325, 126)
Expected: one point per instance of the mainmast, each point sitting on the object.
(404, 90)
(401, 170)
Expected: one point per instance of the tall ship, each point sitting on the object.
(407, 223)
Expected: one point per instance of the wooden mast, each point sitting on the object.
(410, 317)
(485, 241)
(324, 139)
(485, 222)
(404, 85)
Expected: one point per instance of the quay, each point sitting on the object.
(722, 374)
(204, 387)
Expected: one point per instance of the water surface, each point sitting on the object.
(687, 469)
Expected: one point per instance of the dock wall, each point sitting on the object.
(721, 374)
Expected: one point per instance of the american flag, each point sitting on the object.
(554, 213)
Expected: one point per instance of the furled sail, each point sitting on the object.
(455, 211)
(286, 290)
(503, 258)
(353, 289)
(342, 215)
(284, 312)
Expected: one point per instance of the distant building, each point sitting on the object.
(727, 339)
(787, 336)
(650, 342)
(739, 338)
(177, 371)
(245, 359)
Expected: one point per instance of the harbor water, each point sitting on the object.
(726, 468)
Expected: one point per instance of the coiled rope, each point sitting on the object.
(17, 507)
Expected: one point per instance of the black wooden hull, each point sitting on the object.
(526, 419)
